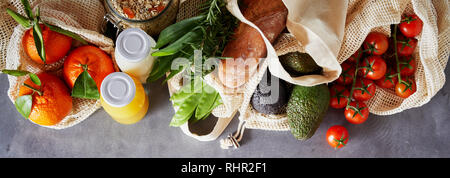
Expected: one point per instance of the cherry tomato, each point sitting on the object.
(339, 96)
(406, 88)
(375, 68)
(357, 113)
(407, 66)
(364, 89)
(377, 43)
(388, 80)
(411, 26)
(355, 56)
(348, 72)
(406, 46)
(337, 136)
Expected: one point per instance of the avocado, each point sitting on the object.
(306, 109)
(298, 64)
(271, 96)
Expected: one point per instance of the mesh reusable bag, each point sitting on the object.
(81, 17)
(431, 54)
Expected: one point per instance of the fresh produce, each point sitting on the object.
(299, 64)
(43, 98)
(337, 136)
(411, 26)
(306, 109)
(84, 70)
(389, 80)
(247, 44)
(375, 68)
(347, 75)
(43, 43)
(271, 96)
(407, 66)
(364, 89)
(357, 112)
(406, 88)
(208, 32)
(406, 46)
(376, 43)
(339, 96)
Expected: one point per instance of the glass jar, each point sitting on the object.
(153, 26)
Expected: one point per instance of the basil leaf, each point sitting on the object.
(67, 33)
(85, 87)
(26, 23)
(179, 44)
(177, 30)
(185, 110)
(23, 105)
(35, 79)
(39, 40)
(16, 73)
(27, 8)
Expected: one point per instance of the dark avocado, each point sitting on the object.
(298, 64)
(271, 96)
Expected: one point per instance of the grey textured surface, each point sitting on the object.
(419, 132)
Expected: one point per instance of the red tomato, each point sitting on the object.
(377, 43)
(348, 72)
(364, 89)
(375, 68)
(337, 136)
(406, 46)
(407, 66)
(355, 56)
(411, 26)
(389, 80)
(339, 96)
(406, 88)
(357, 113)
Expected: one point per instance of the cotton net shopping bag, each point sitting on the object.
(432, 51)
(316, 27)
(81, 17)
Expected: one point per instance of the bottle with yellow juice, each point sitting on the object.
(123, 98)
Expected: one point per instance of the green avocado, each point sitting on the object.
(299, 64)
(306, 109)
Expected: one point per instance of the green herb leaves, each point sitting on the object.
(85, 86)
(194, 101)
(33, 21)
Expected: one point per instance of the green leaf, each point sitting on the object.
(27, 8)
(85, 87)
(179, 44)
(23, 105)
(206, 102)
(67, 33)
(16, 73)
(39, 40)
(195, 87)
(35, 79)
(26, 23)
(177, 30)
(162, 66)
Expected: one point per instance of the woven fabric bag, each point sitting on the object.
(81, 17)
(432, 52)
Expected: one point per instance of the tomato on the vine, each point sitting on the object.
(405, 88)
(376, 43)
(389, 80)
(411, 26)
(357, 112)
(407, 66)
(406, 46)
(348, 72)
(355, 56)
(364, 89)
(337, 136)
(339, 96)
(374, 68)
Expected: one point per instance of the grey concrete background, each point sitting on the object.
(419, 132)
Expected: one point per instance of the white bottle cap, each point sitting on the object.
(118, 89)
(134, 45)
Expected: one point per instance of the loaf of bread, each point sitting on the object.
(247, 45)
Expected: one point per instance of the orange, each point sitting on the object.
(56, 45)
(99, 65)
(54, 104)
